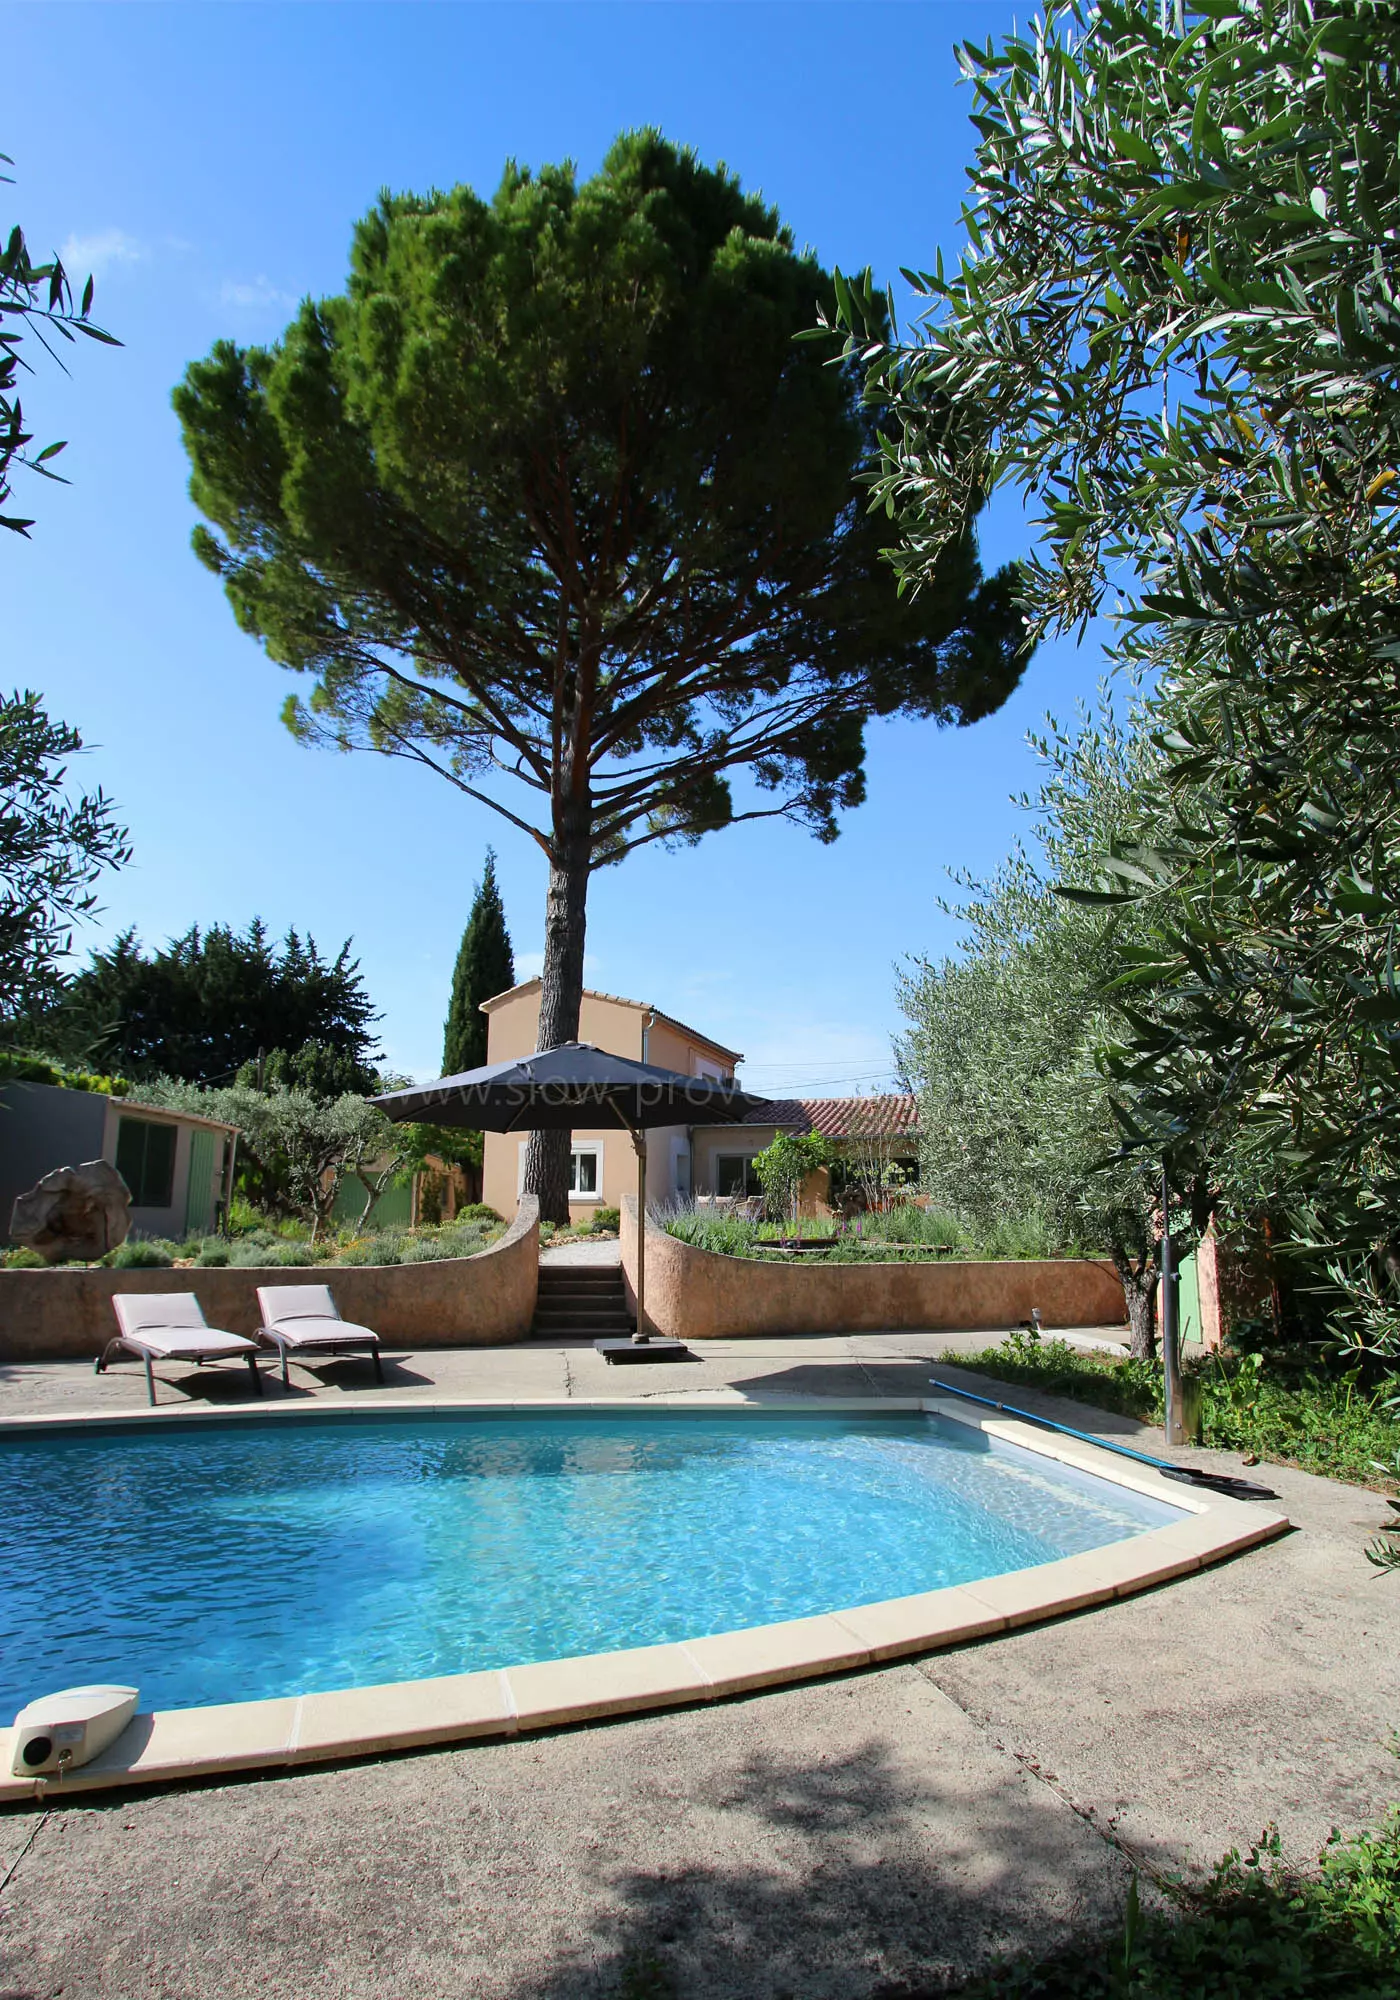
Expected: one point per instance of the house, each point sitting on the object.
(603, 1164)
(683, 1161)
(178, 1167)
(876, 1140)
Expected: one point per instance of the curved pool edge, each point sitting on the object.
(295, 1731)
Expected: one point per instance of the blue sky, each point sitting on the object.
(207, 162)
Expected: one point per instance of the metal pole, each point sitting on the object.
(639, 1140)
(1174, 1414)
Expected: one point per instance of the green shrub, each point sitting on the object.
(1027, 1236)
(464, 1239)
(478, 1211)
(249, 1255)
(711, 1229)
(213, 1255)
(38, 1069)
(136, 1254)
(426, 1250)
(1277, 1406)
(939, 1228)
(386, 1247)
(1258, 1928)
(605, 1219)
(24, 1259)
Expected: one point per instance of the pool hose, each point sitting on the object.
(1188, 1475)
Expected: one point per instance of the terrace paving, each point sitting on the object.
(865, 1835)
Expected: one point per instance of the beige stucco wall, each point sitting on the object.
(623, 1028)
(694, 1295)
(480, 1301)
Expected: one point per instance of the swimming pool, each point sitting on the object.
(218, 1562)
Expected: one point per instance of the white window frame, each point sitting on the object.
(576, 1146)
(595, 1147)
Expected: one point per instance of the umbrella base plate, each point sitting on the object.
(643, 1350)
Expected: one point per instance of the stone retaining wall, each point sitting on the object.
(696, 1295)
(481, 1301)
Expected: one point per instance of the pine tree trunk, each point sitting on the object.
(561, 997)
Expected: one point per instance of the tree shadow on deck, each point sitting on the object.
(870, 1885)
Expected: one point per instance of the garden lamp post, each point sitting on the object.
(1173, 1401)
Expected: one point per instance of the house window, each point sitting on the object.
(146, 1161)
(734, 1174)
(586, 1173)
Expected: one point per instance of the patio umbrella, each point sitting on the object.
(575, 1085)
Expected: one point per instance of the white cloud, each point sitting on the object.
(106, 251)
(254, 297)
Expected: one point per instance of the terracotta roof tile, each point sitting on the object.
(891, 1117)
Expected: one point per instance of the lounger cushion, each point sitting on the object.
(156, 1310)
(305, 1316)
(208, 1343)
(320, 1332)
(281, 1302)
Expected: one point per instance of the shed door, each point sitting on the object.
(1188, 1299)
(202, 1197)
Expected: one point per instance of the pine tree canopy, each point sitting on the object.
(552, 475)
(485, 966)
(553, 501)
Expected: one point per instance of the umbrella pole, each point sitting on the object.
(639, 1140)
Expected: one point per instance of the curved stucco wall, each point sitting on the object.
(480, 1301)
(696, 1295)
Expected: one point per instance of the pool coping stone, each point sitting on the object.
(285, 1732)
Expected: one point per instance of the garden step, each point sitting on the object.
(591, 1295)
(575, 1300)
(595, 1322)
(589, 1307)
(552, 1276)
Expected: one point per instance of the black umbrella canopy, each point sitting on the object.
(575, 1085)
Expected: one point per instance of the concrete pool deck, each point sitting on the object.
(883, 1827)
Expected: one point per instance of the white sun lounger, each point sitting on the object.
(169, 1326)
(302, 1323)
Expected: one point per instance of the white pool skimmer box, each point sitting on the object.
(58, 1732)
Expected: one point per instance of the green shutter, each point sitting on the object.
(146, 1161)
(393, 1210)
(201, 1198)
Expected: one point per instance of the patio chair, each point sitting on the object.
(302, 1323)
(169, 1326)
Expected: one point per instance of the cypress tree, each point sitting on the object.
(485, 966)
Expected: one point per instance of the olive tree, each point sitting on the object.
(1175, 330)
(36, 299)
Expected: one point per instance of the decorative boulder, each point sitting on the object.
(77, 1213)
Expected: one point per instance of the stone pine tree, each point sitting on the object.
(552, 502)
(485, 966)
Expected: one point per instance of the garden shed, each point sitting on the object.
(179, 1167)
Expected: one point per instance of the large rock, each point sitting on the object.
(74, 1213)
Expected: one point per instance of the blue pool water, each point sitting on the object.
(220, 1562)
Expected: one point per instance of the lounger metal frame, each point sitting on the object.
(291, 1349)
(133, 1344)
